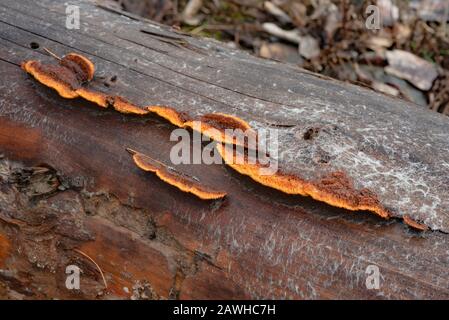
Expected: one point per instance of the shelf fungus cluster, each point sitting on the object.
(336, 189)
(174, 177)
(73, 73)
(71, 77)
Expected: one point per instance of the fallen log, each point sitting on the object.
(71, 194)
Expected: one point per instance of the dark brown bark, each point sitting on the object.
(68, 184)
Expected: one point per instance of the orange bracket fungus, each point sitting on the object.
(74, 71)
(335, 190)
(175, 178)
(69, 77)
(414, 224)
(215, 125)
(66, 78)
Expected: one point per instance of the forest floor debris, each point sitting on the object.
(330, 37)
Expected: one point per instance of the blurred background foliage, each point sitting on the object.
(407, 57)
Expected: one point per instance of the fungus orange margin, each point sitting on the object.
(175, 178)
(335, 190)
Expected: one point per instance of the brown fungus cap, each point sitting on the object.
(83, 68)
(56, 77)
(66, 78)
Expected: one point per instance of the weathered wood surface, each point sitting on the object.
(143, 233)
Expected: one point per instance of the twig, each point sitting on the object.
(51, 53)
(275, 30)
(277, 12)
(444, 20)
(98, 267)
(189, 15)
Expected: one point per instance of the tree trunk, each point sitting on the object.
(70, 194)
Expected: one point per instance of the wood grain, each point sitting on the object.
(150, 239)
